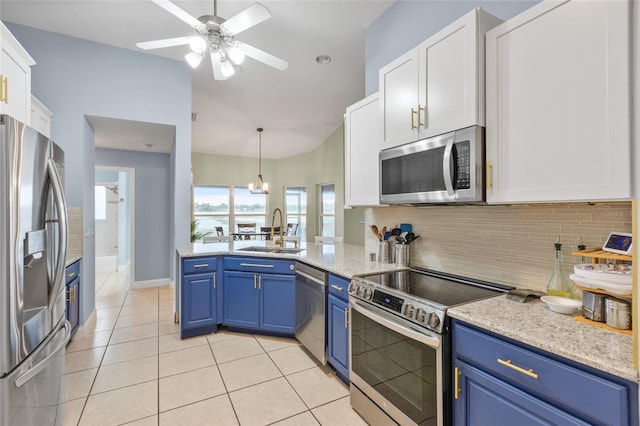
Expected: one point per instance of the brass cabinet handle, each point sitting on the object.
(489, 174)
(456, 392)
(413, 126)
(70, 274)
(512, 366)
(4, 90)
(337, 287)
(425, 117)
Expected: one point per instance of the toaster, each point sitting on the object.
(594, 306)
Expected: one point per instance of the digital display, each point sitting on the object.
(388, 301)
(618, 243)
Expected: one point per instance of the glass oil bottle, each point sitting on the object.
(558, 284)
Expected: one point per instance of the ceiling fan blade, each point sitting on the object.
(178, 13)
(217, 68)
(246, 19)
(167, 42)
(262, 56)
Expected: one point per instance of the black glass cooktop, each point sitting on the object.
(443, 289)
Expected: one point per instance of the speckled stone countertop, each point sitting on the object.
(72, 258)
(534, 324)
(343, 259)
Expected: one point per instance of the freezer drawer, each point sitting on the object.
(33, 393)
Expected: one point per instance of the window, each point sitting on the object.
(328, 210)
(101, 203)
(226, 206)
(295, 208)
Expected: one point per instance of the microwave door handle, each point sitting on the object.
(446, 167)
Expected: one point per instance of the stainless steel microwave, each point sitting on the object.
(448, 168)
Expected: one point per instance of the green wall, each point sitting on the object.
(325, 164)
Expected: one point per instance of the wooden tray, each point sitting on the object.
(600, 291)
(604, 325)
(598, 253)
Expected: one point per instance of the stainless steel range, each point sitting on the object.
(400, 345)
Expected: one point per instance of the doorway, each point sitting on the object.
(114, 224)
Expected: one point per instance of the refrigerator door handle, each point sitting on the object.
(58, 276)
(36, 369)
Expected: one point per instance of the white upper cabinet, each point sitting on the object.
(558, 104)
(15, 77)
(363, 136)
(40, 117)
(438, 86)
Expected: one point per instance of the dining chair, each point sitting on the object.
(328, 240)
(247, 228)
(292, 228)
(219, 230)
(295, 238)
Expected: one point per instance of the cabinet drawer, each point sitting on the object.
(339, 287)
(601, 400)
(259, 264)
(199, 264)
(72, 271)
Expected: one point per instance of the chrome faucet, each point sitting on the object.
(280, 240)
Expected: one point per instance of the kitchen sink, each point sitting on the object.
(272, 249)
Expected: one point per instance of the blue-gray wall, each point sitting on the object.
(152, 206)
(74, 78)
(407, 23)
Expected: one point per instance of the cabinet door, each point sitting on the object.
(399, 100)
(338, 337)
(199, 300)
(73, 303)
(241, 299)
(277, 303)
(15, 98)
(363, 138)
(558, 104)
(484, 400)
(452, 75)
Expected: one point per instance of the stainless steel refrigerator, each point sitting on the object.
(33, 234)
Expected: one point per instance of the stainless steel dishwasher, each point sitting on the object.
(311, 302)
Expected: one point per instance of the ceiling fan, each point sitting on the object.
(217, 36)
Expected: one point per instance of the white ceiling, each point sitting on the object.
(298, 108)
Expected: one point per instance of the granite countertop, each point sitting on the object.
(534, 324)
(72, 258)
(343, 259)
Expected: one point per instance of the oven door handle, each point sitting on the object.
(378, 315)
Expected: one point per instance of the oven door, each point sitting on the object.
(398, 367)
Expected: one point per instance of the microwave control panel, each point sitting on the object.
(463, 165)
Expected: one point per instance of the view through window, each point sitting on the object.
(224, 206)
(328, 210)
(296, 209)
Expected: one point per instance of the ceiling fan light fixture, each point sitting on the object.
(197, 44)
(227, 68)
(194, 59)
(235, 55)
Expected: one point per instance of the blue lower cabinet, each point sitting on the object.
(499, 381)
(241, 300)
(338, 336)
(260, 302)
(199, 299)
(72, 283)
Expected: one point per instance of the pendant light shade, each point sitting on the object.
(261, 187)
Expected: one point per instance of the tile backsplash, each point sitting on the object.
(74, 249)
(505, 244)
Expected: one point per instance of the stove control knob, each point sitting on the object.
(408, 310)
(421, 314)
(433, 320)
(368, 293)
(361, 289)
(352, 287)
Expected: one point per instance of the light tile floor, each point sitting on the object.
(134, 369)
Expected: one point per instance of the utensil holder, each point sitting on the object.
(384, 252)
(402, 254)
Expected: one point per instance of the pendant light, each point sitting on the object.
(262, 187)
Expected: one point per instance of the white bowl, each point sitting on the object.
(561, 305)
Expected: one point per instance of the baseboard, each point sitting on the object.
(124, 268)
(162, 282)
